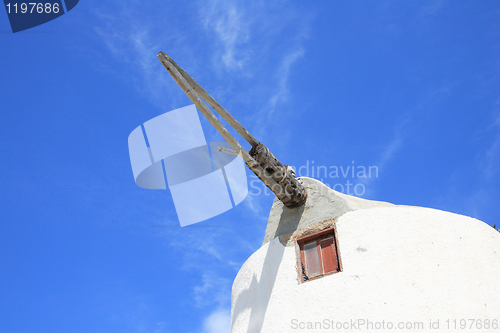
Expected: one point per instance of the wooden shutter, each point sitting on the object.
(329, 255)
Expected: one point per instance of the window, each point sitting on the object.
(318, 255)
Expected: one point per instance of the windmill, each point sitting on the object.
(357, 257)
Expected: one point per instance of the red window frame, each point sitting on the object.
(328, 253)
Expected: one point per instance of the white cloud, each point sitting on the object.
(218, 321)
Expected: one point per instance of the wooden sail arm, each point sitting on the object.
(212, 102)
(277, 177)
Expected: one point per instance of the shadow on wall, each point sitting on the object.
(289, 220)
(262, 288)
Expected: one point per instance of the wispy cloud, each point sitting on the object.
(210, 255)
(251, 50)
(395, 144)
(126, 308)
(230, 25)
(479, 199)
(388, 153)
(282, 76)
(474, 197)
(252, 201)
(213, 289)
(492, 155)
(433, 8)
(135, 41)
(408, 125)
(261, 42)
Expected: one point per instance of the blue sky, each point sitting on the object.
(411, 88)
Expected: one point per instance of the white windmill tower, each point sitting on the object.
(333, 262)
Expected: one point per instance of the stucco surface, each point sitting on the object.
(322, 203)
(401, 264)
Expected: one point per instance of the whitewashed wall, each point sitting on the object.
(401, 266)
